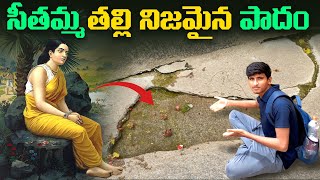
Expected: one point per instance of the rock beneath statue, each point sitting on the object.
(52, 174)
(30, 140)
(45, 152)
(21, 169)
(77, 99)
(4, 166)
(14, 119)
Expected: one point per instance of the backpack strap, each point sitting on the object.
(298, 100)
(270, 102)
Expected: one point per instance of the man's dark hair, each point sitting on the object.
(258, 68)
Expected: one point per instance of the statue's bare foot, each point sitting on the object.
(115, 170)
(99, 172)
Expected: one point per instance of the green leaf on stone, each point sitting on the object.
(186, 107)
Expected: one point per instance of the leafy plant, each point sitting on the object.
(8, 150)
(4, 105)
(97, 108)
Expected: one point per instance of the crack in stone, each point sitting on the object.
(242, 89)
(199, 95)
(278, 37)
(216, 74)
(274, 38)
(178, 70)
(316, 67)
(289, 87)
(314, 61)
(149, 71)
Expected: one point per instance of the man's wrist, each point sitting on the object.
(227, 102)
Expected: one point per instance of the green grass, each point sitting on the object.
(1, 91)
(93, 77)
(164, 80)
(163, 94)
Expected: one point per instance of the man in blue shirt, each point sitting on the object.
(267, 148)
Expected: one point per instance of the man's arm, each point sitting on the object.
(223, 102)
(243, 103)
(279, 143)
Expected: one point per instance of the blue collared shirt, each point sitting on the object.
(284, 117)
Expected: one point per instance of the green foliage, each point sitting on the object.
(186, 107)
(97, 108)
(164, 80)
(9, 150)
(4, 131)
(12, 98)
(4, 105)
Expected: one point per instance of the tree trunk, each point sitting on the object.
(24, 64)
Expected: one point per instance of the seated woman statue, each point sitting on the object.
(47, 113)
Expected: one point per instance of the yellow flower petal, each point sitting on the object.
(112, 141)
(115, 155)
(307, 50)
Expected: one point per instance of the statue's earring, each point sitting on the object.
(50, 54)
